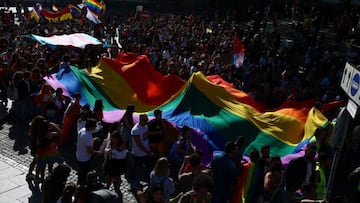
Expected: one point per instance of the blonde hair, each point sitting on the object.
(162, 167)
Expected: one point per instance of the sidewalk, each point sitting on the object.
(13, 186)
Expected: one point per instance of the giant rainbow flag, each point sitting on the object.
(217, 111)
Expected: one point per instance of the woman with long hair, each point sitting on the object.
(47, 151)
(115, 160)
(160, 175)
(98, 109)
(127, 122)
(34, 142)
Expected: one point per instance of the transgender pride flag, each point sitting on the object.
(239, 52)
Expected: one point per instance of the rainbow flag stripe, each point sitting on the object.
(95, 6)
(217, 111)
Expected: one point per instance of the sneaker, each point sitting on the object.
(30, 176)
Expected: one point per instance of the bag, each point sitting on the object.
(104, 196)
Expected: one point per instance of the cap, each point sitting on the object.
(157, 112)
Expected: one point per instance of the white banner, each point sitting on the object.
(350, 83)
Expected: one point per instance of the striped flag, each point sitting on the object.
(35, 13)
(239, 52)
(95, 6)
(92, 16)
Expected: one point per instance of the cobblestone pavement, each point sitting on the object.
(14, 148)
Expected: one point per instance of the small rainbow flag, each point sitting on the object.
(95, 6)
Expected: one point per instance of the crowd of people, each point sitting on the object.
(303, 68)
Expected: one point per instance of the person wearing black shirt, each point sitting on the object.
(156, 128)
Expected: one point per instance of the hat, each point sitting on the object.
(157, 112)
(130, 108)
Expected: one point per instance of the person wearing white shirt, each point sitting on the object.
(115, 160)
(141, 151)
(84, 149)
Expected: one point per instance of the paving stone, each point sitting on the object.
(6, 185)
(18, 192)
(14, 161)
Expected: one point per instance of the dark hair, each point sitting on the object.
(230, 147)
(77, 95)
(157, 112)
(195, 160)
(311, 145)
(239, 141)
(27, 74)
(275, 163)
(98, 105)
(42, 133)
(86, 107)
(130, 108)
(254, 155)
(114, 126)
(116, 134)
(203, 181)
(186, 128)
(91, 178)
(59, 90)
(90, 123)
(60, 173)
(35, 125)
(264, 147)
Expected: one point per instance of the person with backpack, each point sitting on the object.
(160, 175)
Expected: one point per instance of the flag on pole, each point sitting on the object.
(35, 13)
(92, 16)
(95, 6)
(54, 8)
(239, 52)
